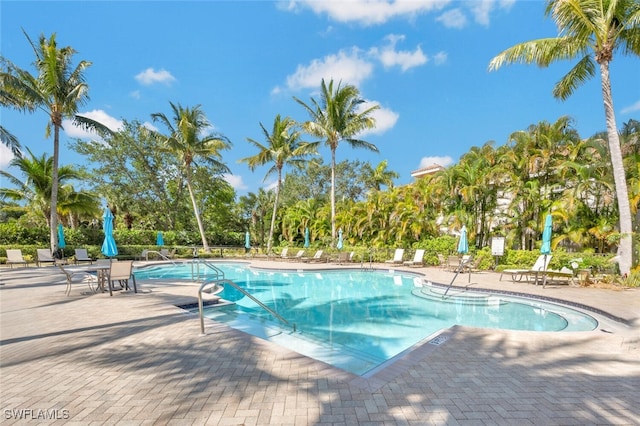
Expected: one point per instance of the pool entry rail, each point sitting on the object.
(216, 284)
(460, 267)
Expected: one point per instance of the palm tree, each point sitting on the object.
(58, 89)
(338, 117)
(10, 141)
(36, 188)
(185, 141)
(381, 175)
(283, 147)
(592, 30)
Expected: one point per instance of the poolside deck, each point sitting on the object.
(137, 359)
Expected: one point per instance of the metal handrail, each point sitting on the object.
(195, 274)
(217, 282)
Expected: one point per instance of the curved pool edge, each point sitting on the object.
(276, 265)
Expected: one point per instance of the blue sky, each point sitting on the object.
(425, 62)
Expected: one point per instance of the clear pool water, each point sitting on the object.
(358, 319)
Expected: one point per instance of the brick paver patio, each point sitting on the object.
(138, 359)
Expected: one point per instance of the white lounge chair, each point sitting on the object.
(318, 257)
(299, 255)
(14, 257)
(82, 256)
(417, 259)
(397, 256)
(283, 254)
(344, 257)
(541, 265)
(45, 256)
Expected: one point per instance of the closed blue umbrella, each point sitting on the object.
(463, 244)
(546, 236)
(247, 240)
(307, 243)
(340, 242)
(159, 239)
(545, 249)
(109, 248)
(61, 243)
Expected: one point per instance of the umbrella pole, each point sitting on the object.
(544, 278)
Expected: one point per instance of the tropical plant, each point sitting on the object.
(592, 30)
(338, 116)
(282, 148)
(10, 141)
(58, 89)
(34, 190)
(185, 141)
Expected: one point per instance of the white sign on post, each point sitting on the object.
(497, 246)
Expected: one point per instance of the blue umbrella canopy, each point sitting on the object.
(546, 235)
(340, 242)
(61, 243)
(307, 243)
(109, 248)
(159, 239)
(247, 240)
(463, 244)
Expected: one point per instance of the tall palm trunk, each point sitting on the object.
(53, 214)
(273, 215)
(626, 242)
(333, 194)
(196, 211)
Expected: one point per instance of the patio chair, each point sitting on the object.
(299, 255)
(541, 265)
(166, 254)
(121, 272)
(82, 256)
(45, 256)
(318, 257)
(417, 259)
(72, 278)
(14, 257)
(343, 257)
(453, 263)
(144, 255)
(283, 254)
(397, 256)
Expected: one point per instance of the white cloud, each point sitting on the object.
(631, 108)
(5, 157)
(481, 11)
(151, 76)
(370, 12)
(135, 94)
(150, 126)
(385, 119)
(98, 115)
(453, 18)
(390, 57)
(235, 181)
(347, 67)
(440, 58)
(429, 161)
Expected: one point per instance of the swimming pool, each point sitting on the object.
(358, 319)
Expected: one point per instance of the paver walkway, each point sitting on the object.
(137, 359)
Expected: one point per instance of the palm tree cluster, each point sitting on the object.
(504, 191)
(590, 185)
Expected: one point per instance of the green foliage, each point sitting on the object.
(14, 233)
(444, 245)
